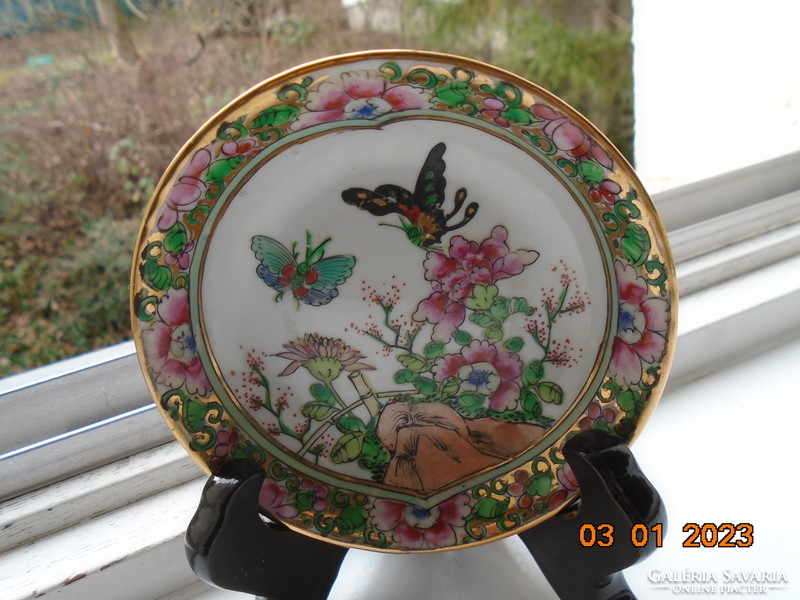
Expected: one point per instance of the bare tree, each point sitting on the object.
(113, 22)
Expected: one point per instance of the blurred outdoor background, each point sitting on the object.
(97, 96)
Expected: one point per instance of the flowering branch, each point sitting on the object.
(276, 412)
(398, 332)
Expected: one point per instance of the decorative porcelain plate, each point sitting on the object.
(400, 281)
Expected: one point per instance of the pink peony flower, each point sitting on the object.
(485, 369)
(416, 528)
(568, 137)
(643, 322)
(170, 345)
(359, 95)
(273, 498)
(455, 274)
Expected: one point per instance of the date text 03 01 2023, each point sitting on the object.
(707, 535)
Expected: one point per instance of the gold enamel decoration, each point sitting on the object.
(400, 281)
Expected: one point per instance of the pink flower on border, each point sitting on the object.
(225, 441)
(567, 478)
(246, 147)
(485, 369)
(454, 275)
(643, 322)
(187, 191)
(607, 191)
(557, 498)
(416, 528)
(360, 95)
(596, 414)
(170, 347)
(182, 258)
(517, 489)
(314, 496)
(494, 108)
(568, 137)
(273, 498)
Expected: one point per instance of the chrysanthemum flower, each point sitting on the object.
(325, 358)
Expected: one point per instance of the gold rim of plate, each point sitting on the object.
(388, 93)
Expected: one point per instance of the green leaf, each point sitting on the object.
(453, 94)
(374, 457)
(319, 411)
(158, 277)
(275, 116)
(173, 408)
(449, 387)
(482, 318)
(221, 168)
(472, 401)
(352, 519)
(591, 171)
(530, 403)
(425, 386)
(636, 244)
(550, 392)
(514, 344)
(349, 424)
(434, 349)
(404, 376)
(412, 362)
(601, 425)
(494, 333)
(347, 448)
(462, 337)
(533, 372)
(490, 508)
(539, 485)
(322, 394)
(304, 499)
(627, 400)
(520, 305)
(482, 297)
(176, 239)
(500, 309)
(194, 415)
(612, 386)
(518, 115)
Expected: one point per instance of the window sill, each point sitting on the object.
(111, 522)
(143, 559)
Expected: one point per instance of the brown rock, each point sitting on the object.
(431, 445)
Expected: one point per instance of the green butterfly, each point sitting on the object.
(312, 281)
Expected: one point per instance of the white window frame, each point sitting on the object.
(116, 468)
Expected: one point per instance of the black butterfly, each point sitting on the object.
(421, 214)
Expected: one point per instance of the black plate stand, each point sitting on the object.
(230, 545)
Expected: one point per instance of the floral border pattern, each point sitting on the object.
(352, 90)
